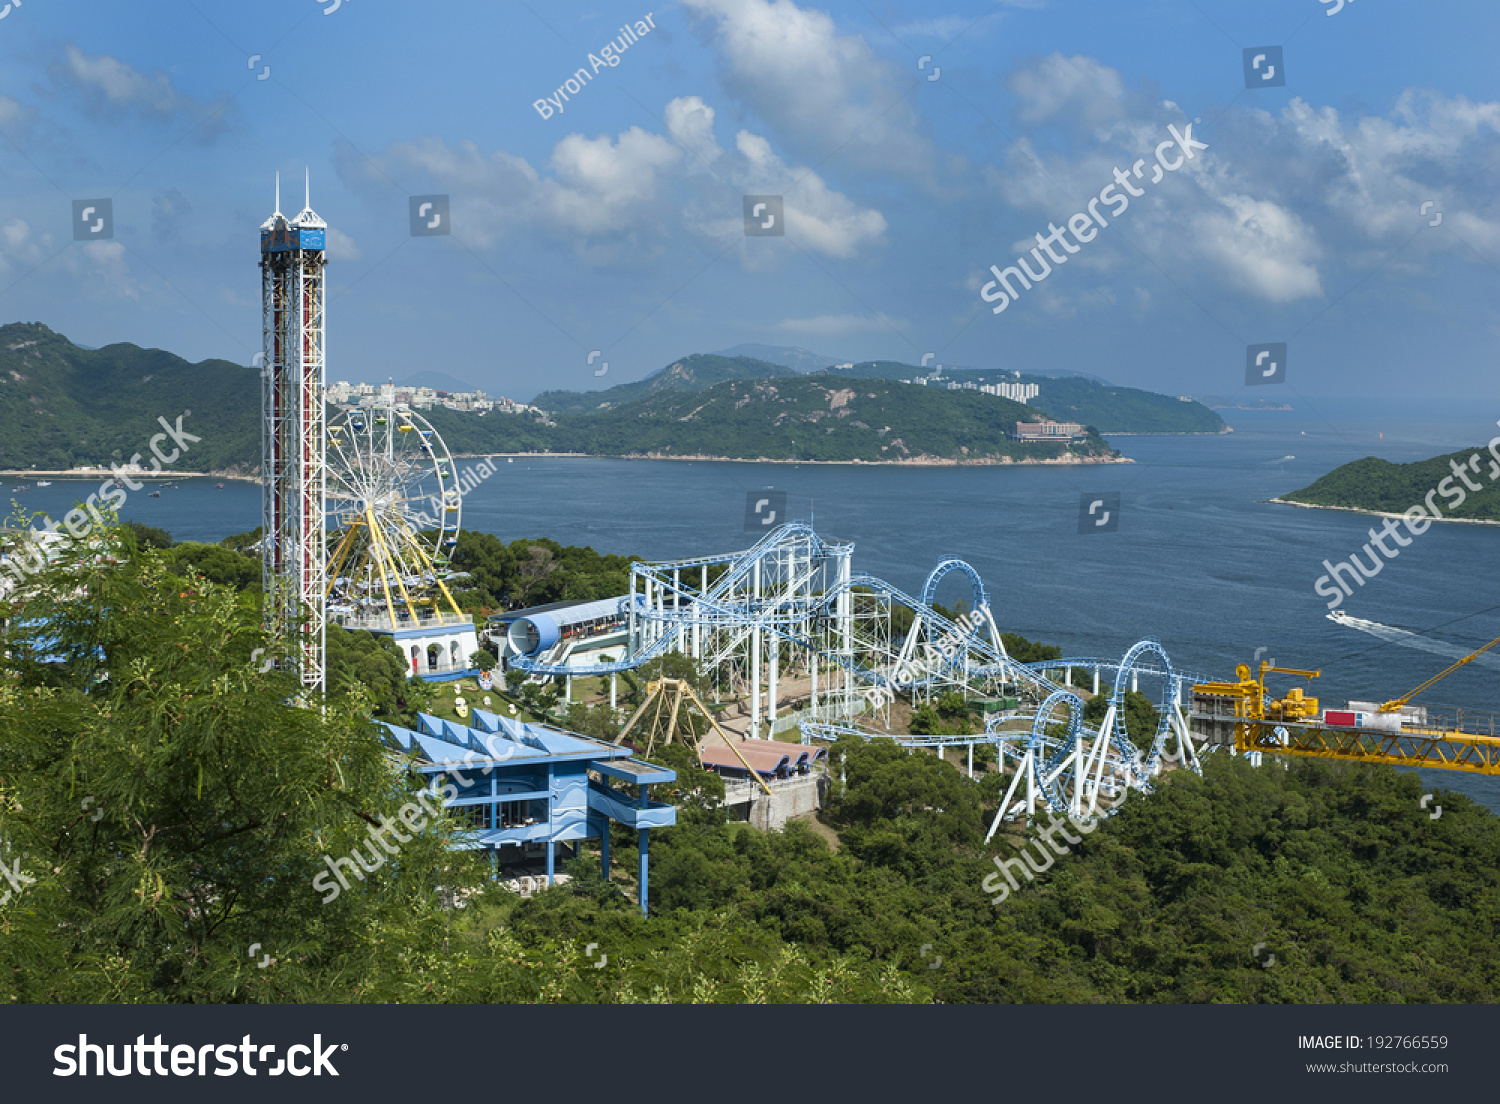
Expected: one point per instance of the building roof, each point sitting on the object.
(493, 740)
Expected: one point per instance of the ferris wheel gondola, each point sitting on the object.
(395, 512)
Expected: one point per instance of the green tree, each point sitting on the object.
(175, 807)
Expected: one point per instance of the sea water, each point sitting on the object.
(1200, 560)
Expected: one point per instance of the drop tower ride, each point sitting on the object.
(293, 435)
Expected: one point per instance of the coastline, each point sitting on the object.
(922, 462)
(1376, 513)
(90, 474)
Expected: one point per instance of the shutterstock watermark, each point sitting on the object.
(607, 58)
(1417, 520)
(414, 815)
(31, 557)
(145, 1059)
(1029, 867)
(1085, 227)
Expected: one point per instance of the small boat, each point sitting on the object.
(221, 486)
(44, 483)
(154, 494)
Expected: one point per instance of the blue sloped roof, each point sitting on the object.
(497, 739)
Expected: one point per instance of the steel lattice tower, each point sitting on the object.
(293, 436)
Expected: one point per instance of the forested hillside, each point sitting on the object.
(63, 406)
(1375, 484)
(794, 418)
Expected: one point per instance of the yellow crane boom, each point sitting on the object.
(1395, 704)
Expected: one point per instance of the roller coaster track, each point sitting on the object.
(795, 589)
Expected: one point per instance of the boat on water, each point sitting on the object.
(221, 486)
(44, 482)
(154, 494)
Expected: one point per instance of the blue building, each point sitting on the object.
(525, 787)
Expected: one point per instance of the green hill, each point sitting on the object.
(693, 373)
(64, 406)
(1384, 487)
(1107, 408)
(801, 418)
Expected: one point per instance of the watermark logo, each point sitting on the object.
(1267, 962)
(1263, 67)
(763, 509)
(429, 216)
(1338, 6)
(589, 954)
(264, 962)
(1086, 224)
(98, 813)
(1099, 513)
(93, 219)
(1454, 489)
(267, 665)
(936, 963)
(922, 66)
(337, 4)
(1437, 219)
(1437, 810)
(1270, 662)
(6, 10)
(607, 57)
(595, 355)
(1265, 363)
(764, 217)
(264, 74)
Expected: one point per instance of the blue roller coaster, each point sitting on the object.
(789, 615)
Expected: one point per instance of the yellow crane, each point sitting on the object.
(1396, 704)
(1292, 725)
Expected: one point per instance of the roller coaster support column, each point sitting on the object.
(682, 641)
(1096, 680)
(754, 732)
(631, 643)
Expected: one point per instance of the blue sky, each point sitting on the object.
(617, 223)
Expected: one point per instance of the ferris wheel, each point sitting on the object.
(395, 510)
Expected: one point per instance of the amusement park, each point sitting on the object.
(797, 649)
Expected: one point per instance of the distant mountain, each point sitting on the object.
(65, 406)
(791, 417)
(693, 373)
(788, 356)
(1065, 396)
(438, 381)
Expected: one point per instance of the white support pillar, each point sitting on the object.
(612, 683)
(755, 654)
(1096, 680)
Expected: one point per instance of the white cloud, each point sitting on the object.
(598, 186)
(817, 217)
(112, 88)
(341, 246)
(1274, 200)
(833, 325)
(105, 262)
(1080, 86)
(17, 246)
(1260, 248)
(620, 199)
(818, 89)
